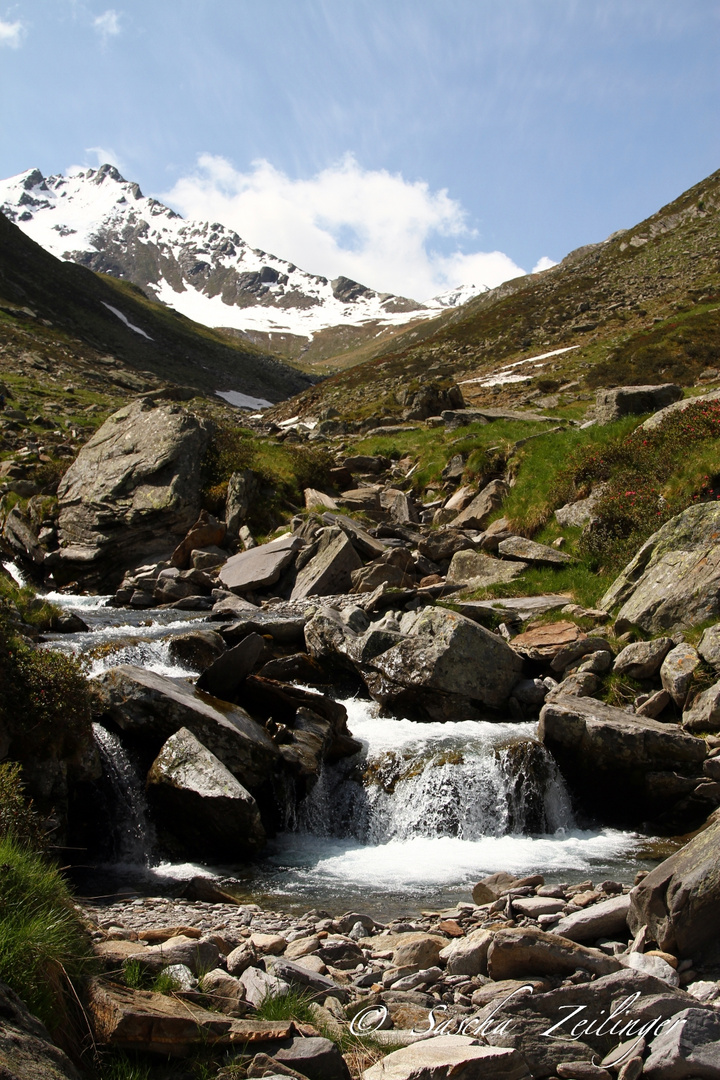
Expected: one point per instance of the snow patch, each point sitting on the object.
(124, 318)
(243, 401)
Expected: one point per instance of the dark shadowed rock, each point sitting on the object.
(26, 1050)
(198, 649)
(226, 675)
(201, 803)
(206, 530)
(689, 1049)
(242, 490)
(153, 707)
(133, 489)
(674, 579)
(329, 571)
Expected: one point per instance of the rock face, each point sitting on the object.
(133, 489)
(199, 799)
(600, 749)
(445, 658)
(674, 579)
(679, 901)
(625, 400)
(153, 707)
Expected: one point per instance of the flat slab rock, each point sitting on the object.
(475, 570)
(260, 566)
(548, 640)
(517, 547)
(516, 608)
(450, 1056)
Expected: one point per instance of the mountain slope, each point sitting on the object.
(641, 306)
(205, 271)
(148, 343)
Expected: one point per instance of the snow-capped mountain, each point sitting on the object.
(205, 271)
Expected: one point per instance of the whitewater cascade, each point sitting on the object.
(133, 834)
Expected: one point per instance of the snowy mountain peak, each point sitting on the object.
(204, 270)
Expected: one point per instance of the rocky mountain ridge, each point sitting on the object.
(204, 270)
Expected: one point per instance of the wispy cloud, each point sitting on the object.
(107, 24)
(11, 33)
(374, 226)
(104, 156)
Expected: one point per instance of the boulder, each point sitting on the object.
(600, 748)
(242, 490)
(314, 1057)
(26, 1050)
(441, 544)
(153, 707)
(468, 955)
(511, 609)
(642, 659)
(21, 535)
(393, 569)
(550, 639)
(226, 993)
(366, 463)
(674, 580)
(224, 677)
(258, 985)
(315, 499)
(517, 547)
(606, 919)
(198, 954)
(687, 1049)
(475, 570)
(709, 646)
(448, 1056)
(296, 973)
(133, 489)
(491, 888)
(677, 671)
(622, 401)
(329, 571)
(198, 649)
(365, 544)
(206, 530)
(704, 711)
(679, 901)
(420, 952)
(201, 803)
(526, 951)
(260, 566)
(579, 513)
(366, 499)
(477, 513)
(445, 658)
(655, 421)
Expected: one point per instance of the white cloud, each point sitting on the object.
(370, 225)
(107, 24)
(104, 156)
(11, 33)
(545, 263)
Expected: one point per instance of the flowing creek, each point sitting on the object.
(411, 822)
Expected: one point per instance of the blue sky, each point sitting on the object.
(406, 140)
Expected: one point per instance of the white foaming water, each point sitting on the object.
(15, 573)
(427, 809)
(78, 601)
(132, 830)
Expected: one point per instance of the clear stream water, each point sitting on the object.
(411, 822)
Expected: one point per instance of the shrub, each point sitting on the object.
(42, 942)
(17, 817)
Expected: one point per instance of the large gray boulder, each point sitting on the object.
(602, 749)
(475, 515)
(153, 707)
(446, 664)
(518, 547)
(201, 803)
(674, 579)
(450, 1055)
(687, 1049)
(133, 490)
(679, 901)
(678, 406)
(628, 400)
(475, 570)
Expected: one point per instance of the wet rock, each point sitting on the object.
(198, 649)
(679, 901)
(677, 671)
(643, 659)
(153, 707)
(450, 1055)
(260, 566)
(201, 803)
(450, 657)
(475, 570)
(133, 489)
(674, 579)
(611, 405)
(475, 515)
(517, 547)
(224, 677)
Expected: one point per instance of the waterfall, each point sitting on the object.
(15, 573)
(133, 834)
(465, 780)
